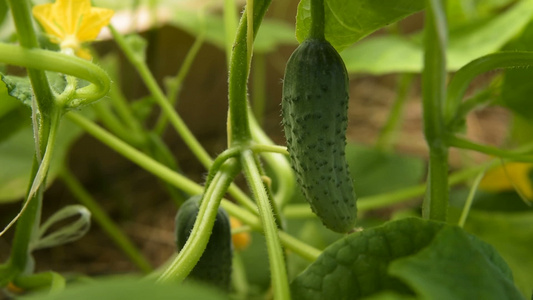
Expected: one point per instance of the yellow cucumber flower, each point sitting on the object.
(514, 175)
(70, 23)
(240, 240)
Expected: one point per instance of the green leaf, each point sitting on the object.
(3, 11)
(356, 266)
(272, 34)
(388, 54)
(349, 21)
(456, 266)
(132, 289)
(16, 157)
(517, 88)
(13, 120)
(384, 54)
(390, 296)
(19, 88)
(369, 166)
(512, 235)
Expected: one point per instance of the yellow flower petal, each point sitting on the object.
(72, 22)
(84, 53)
(241, 240)
(44, 14)
(69, 12)
(92, 22)
(508, 177)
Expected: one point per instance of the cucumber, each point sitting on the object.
(214, 266)
(314, 111)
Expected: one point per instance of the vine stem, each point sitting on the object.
(280, 283)
(162, 101)
(21, 11)
(27, 226)
(191, 252)
(183, 183)
(464, 76)
(462, 143)
(470, 199)
(173, 117)
(434, 93)
(279, 164)
(62, 63)
(135, 155)
(239, 67)
(317, 20)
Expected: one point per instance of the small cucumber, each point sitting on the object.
(314, 110)
(214, 266)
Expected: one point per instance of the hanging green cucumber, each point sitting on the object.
(214, 266)
(314, 110)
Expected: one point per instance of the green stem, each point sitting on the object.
(458, 142)
(249, 32)
(30, 214)
(238, 76)
(180, 181)
(21, 11)
(280, 283)
(318, 20)
(108, 118)
(433, 91)
(239, 280)
(100, 216)
(26, 229)
(191, 252)
(123, 109)
(387, 134)
(387, 199)
(279, 164)
(175, 83)
(470, 200)
(167, 108)
(482, 98)
(258, 148)
(62, 63)
(135, 155)
(462, 78)
(219, 161)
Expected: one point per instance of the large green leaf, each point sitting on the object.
(13, 115)
(456, 266)
(132, 289)
(389, 54)
(512, 235)
(16, 157)
(369, 166)
(357, 265)
(348, 21)
(18, 88)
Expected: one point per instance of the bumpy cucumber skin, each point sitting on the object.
(314, 111)
(214, 267)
